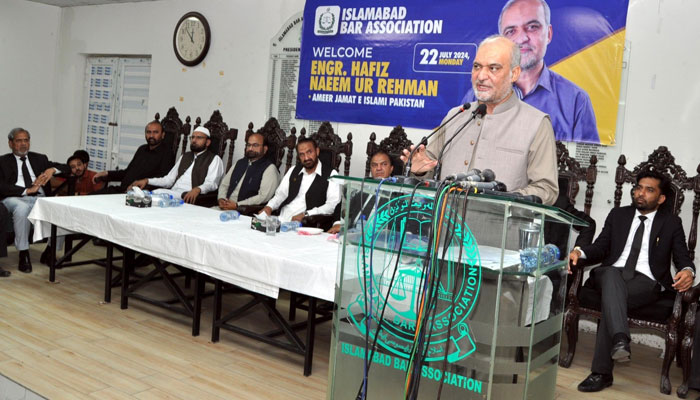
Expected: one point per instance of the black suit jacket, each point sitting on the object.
(8, 173)
(666, 241)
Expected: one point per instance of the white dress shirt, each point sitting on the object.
(643, 266)
(184, 184)
(298, 204)
(643, 260)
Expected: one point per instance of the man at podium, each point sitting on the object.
(513, 139)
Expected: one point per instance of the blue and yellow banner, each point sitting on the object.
(408, 62)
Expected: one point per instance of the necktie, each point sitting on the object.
(25, 173)
(631, 264)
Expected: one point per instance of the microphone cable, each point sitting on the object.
(369, 350)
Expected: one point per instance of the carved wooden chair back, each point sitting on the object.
(274, 137)
(172, 126)
(663, 161)
(332, 147)
(571, 173)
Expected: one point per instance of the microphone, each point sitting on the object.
(486, 176)
(480, 110)
(512, 195)
(424, 141)
(480, 187)
(463, 175)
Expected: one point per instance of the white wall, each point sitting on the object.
(660, 101)
(28, 46)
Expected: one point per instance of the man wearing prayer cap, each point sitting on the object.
(197, 172)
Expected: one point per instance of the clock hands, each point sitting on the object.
(190, 34)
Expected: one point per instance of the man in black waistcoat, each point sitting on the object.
(252, 180)
(635, 249)
(305, 190)
(380, 167)
(154, 158)
(24, 176)
(197, 172)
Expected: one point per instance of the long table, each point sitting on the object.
(194, 237)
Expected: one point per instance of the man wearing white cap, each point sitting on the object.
(198, 171)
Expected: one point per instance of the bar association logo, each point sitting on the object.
(326, 21)
(391, 288)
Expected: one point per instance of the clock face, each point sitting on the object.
(191, 39)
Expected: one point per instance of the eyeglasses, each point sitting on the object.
(198, 137)
(253, 145)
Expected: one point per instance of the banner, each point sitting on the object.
(408, 62)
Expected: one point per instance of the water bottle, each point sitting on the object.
(229, 216)
(528, 257)
(147, 199)
(129, 198)
(550, 254)
(176, 202)
(290, 226)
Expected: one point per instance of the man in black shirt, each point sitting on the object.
(151, 159)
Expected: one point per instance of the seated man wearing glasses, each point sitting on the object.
(252, 180)
(196, 172)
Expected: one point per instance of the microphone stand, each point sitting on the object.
(481, 110)
(424, 142)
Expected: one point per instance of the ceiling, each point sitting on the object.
(74, 3)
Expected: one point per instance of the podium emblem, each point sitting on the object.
(391, 277)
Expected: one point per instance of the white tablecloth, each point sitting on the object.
(195, 238)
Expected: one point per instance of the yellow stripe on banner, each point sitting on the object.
(598, 70)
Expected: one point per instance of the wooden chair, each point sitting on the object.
(690, 297)
(185, 132)
(220, 136)
(393, 145)
(172, 126)
(291, 145)
(663, 316)
(571, 173)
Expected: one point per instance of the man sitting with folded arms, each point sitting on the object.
(380, 167)
(252, 180)
(196, 172)
(151, 159)
(305, 190)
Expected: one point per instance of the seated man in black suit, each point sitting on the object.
(635, 249)
(380, 167)
(305, 190)
(151, 159)
(24, 176)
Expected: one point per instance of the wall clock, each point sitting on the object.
(191, 38)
